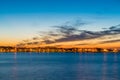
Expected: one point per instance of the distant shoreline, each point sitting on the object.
(55, 49)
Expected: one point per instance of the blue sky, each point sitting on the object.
(21, 19)
(106, 7)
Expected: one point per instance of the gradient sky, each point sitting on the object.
(23, 19)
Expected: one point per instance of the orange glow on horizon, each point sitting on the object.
(8, 42)
(88, 43)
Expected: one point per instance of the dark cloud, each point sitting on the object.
(115, 27)
(51, 33)
(20, 44)
(81, 36)
(65, 30)
(113, 30)
(35, 42)
(35, 38)
(84, 34)
(48, 41)
(29, 43)
(69, 32)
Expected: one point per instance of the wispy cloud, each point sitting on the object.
(110, 41)
(70, 31)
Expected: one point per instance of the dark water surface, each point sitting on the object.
(59, 66)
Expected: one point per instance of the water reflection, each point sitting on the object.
(14, 68)
(33, 66)
(104, 67)
(110, 67)
(115, 67)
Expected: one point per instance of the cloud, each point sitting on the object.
(20, 44)
(115, 27)
(112, 30)
(35, 38)
(75, 23)
(110, 41)
(70, 31)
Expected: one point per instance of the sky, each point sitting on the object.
(82, 23)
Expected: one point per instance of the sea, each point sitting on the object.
(59, 66)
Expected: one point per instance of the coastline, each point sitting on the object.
(55, 49)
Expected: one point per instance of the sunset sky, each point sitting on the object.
(61, 23)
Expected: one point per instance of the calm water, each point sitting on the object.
(59, 66)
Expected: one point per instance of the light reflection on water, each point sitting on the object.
(111, 69)
(59, 66)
